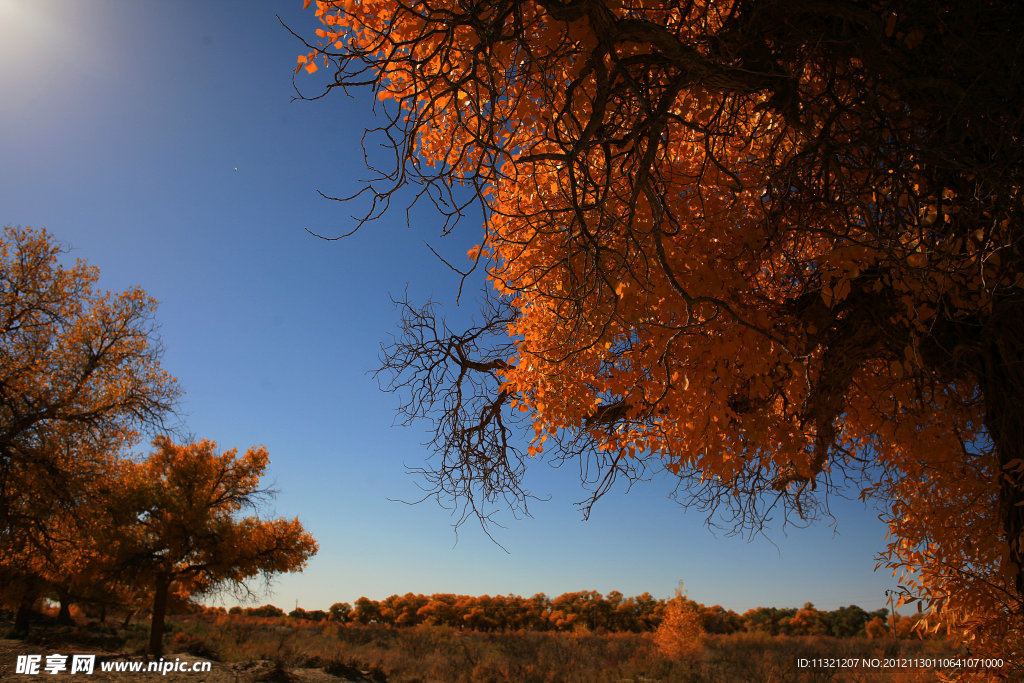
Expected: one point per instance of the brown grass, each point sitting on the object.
(436, 653)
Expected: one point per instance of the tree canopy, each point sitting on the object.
(79, 377)
(773, 247)
(178, 526)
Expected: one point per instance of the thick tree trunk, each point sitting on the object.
(156, 629)
(64, 613)
(30, 588)
(23, 615)
(1002, 382)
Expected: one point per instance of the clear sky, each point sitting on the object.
(122, 124)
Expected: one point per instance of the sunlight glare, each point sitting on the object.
(37, 38)
(23, 35)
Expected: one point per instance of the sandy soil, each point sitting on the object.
(220, 672)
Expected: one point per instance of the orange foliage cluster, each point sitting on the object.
(740, 239)
(680, 634)
(181, 530)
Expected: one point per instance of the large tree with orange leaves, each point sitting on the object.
(176, 526)
(768, 245)
(79, 376)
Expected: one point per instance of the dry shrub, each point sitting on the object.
(439, 653)
(193, 645)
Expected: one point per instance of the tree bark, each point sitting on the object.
(23, 615)
(64, 613)
(156, 629)
(1002, 381)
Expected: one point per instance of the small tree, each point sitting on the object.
(182, 531)
(340, 612)
(808, 621)
(876, 628)
(681, 633)
(366, 611)
(264, 611)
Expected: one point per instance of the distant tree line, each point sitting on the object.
(590, 610)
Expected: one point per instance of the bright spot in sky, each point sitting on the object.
(20, 22)
(36, 41)
(25, 51)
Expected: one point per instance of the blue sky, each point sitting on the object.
(121, 125)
